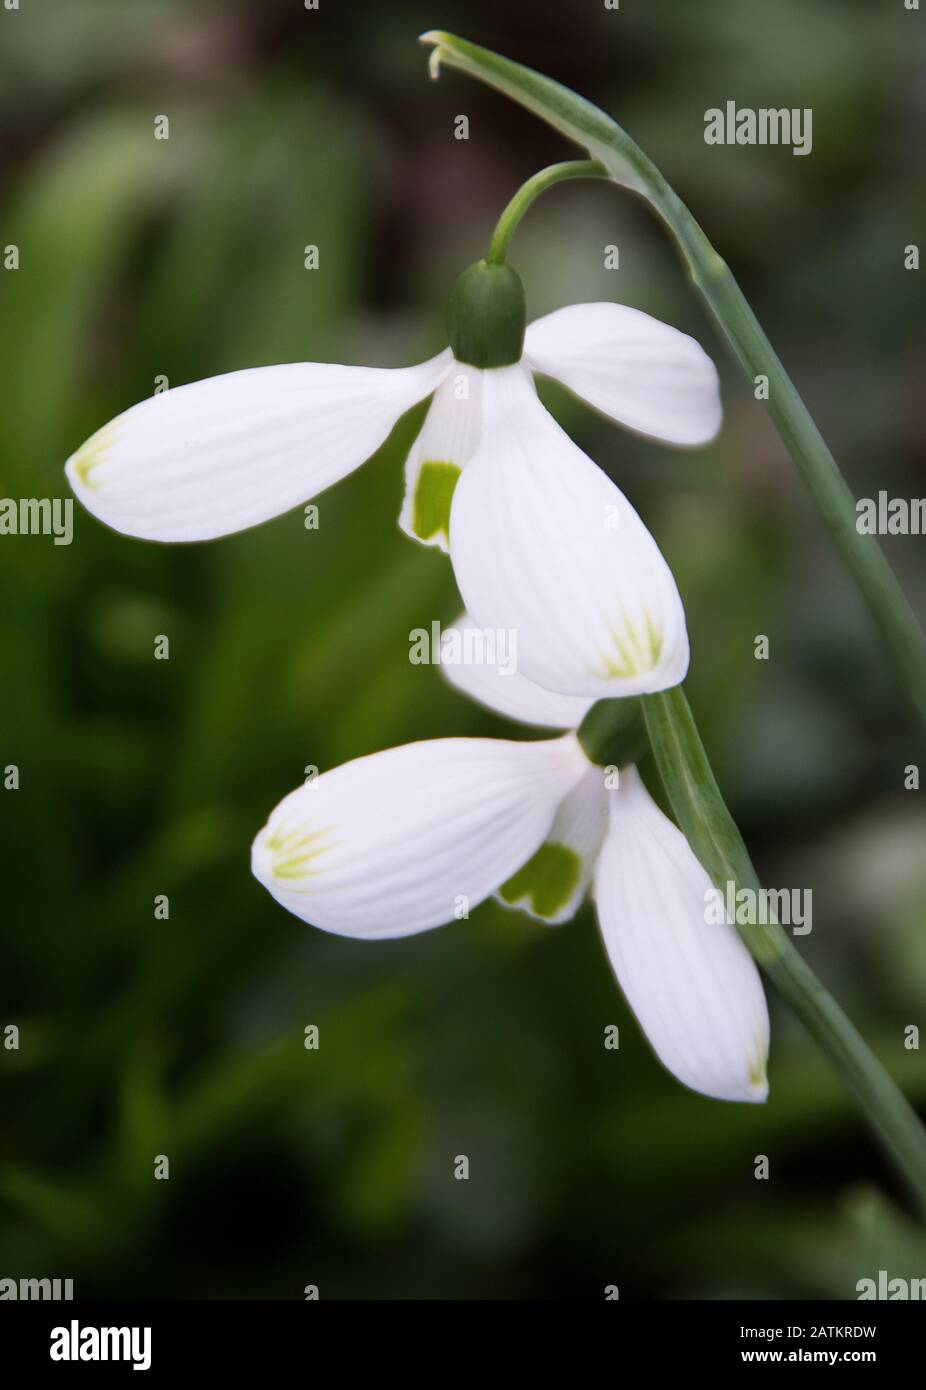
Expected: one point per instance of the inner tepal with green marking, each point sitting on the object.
(432, 499)
(546, 882)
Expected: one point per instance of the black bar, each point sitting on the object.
(240, 1338)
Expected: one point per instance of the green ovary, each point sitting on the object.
(433, 495)
(548, 879)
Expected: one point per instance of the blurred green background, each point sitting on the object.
(289, 647)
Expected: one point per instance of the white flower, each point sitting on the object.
(541, 540)
(417, 836)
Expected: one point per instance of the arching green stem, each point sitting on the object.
(487, 313)
(544, 179)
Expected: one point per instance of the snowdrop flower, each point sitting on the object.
(540, 538)
(415, 837)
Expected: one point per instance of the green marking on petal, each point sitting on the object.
(654, 637)
(433, 495)
(294, 854)
(635, 654)
(757, 1073)
(92, 453)
(548, 879)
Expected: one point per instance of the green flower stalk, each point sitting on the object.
(487, 315)
(546, 178)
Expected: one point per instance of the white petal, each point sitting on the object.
(544, 542)
(219, 455)
(632, 368)
(448, 438)
(501, 687)
(693, 985)
(407, 839)
(553, 884)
